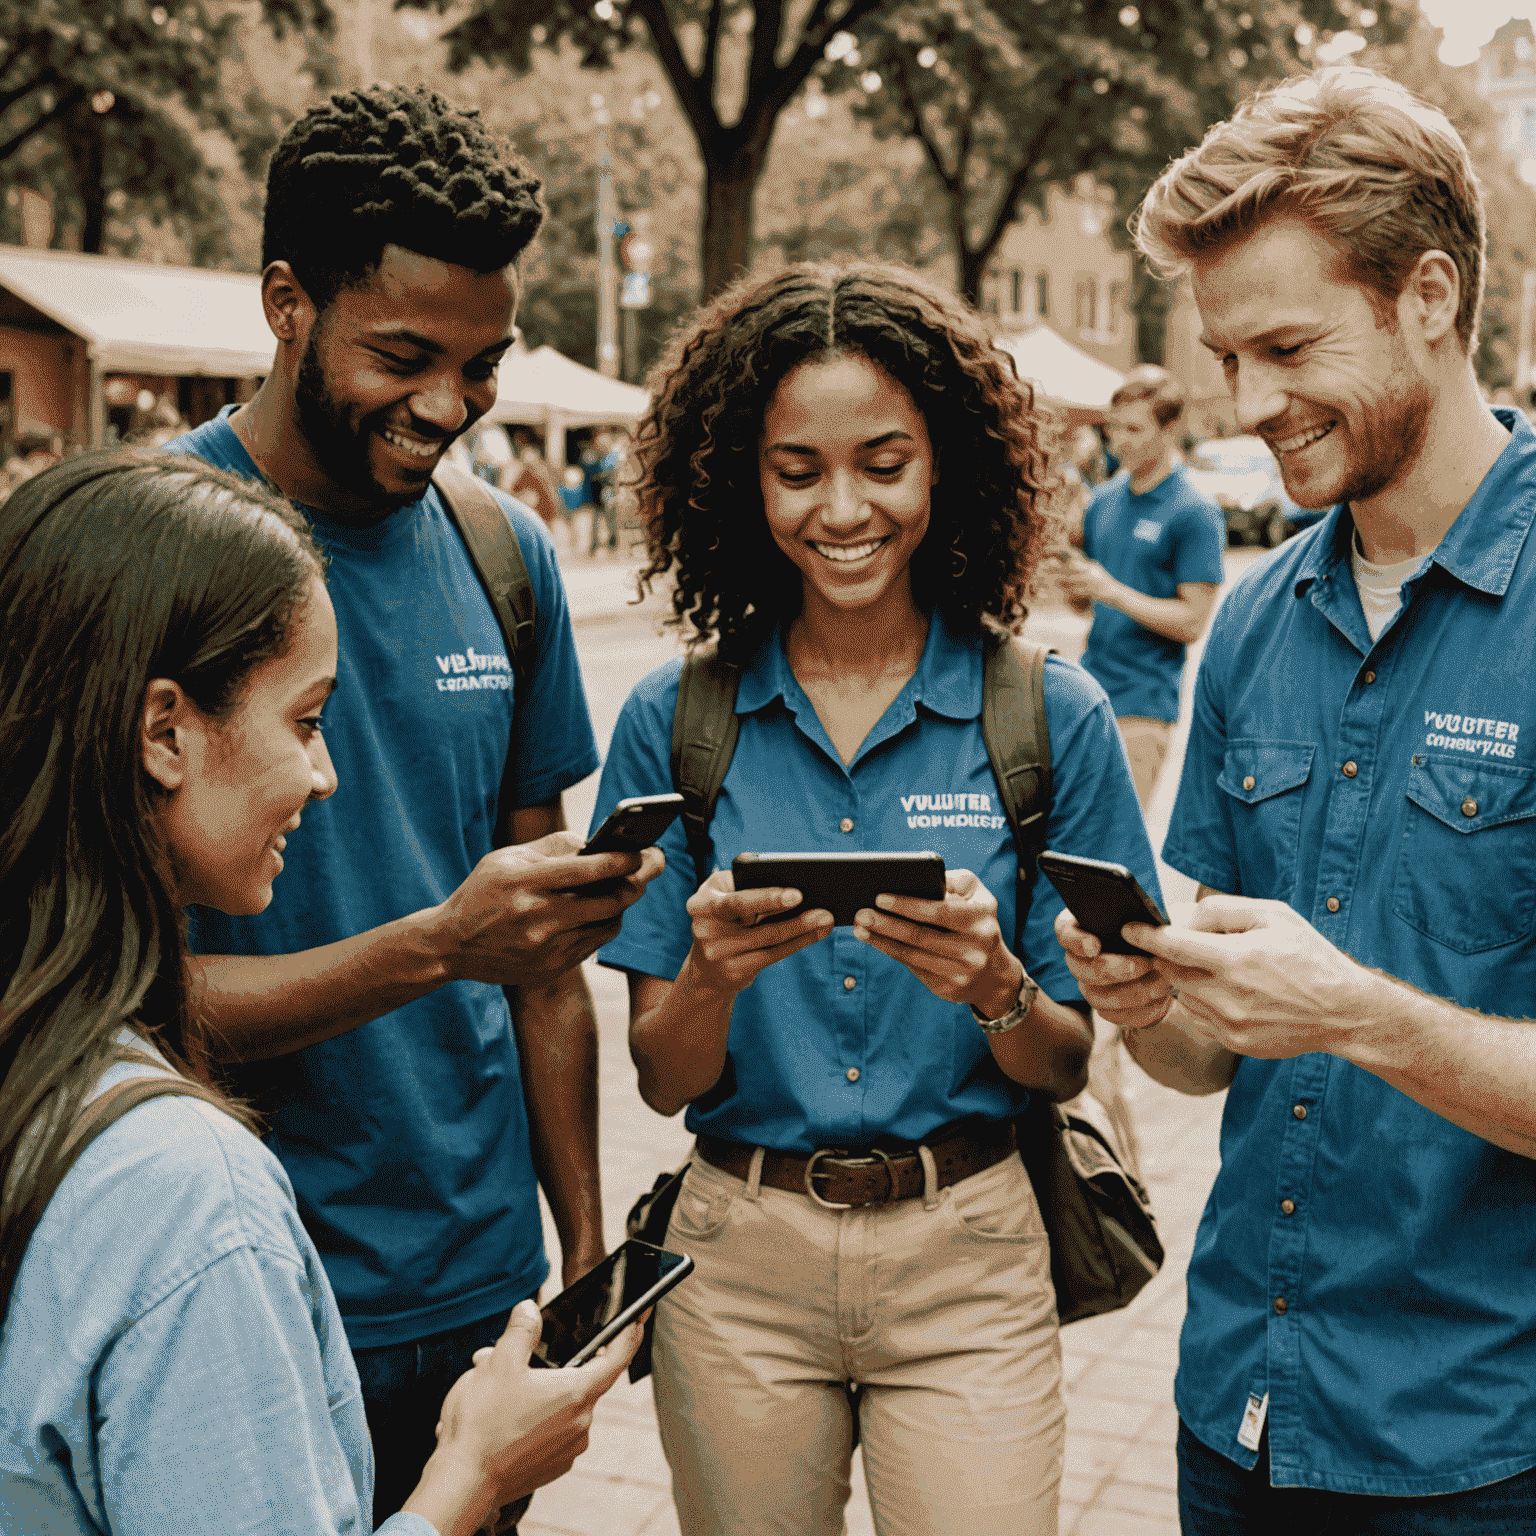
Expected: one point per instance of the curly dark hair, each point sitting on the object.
(697, 446)
(387, 166)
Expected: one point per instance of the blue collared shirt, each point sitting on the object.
(840, 1044)
(1153, 543)
(1369, 1265)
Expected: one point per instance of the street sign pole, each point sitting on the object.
(607, 267)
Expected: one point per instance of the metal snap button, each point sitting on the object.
(1469, 806)
(852, 1074)
(1350, 770)
(849, 983)
(1300, 1111)
(846, 824)
(1281, 1305)
(1249, 781)
(1288, 1206)
(1370, 677)
(1332, 903)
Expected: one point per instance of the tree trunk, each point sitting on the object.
(730, 188)
(973, 268)
(1151, 300)
(88, 147)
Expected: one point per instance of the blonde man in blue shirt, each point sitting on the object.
(1358, 804)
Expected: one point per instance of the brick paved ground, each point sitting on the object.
(1119, 1476)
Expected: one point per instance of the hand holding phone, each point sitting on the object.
(1103, 897)
(635, 824)
(840, 883)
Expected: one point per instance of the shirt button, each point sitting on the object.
(1332, 903)
(846, 824)
(852, 1074)
(1249, 782)
(1300, 1111)
(1370, 677)
(1288, 1206)
(849, 983)
(1350, 770)
(1281, 1306)
(1469, 806)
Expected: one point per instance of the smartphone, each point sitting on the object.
(1102, 897)
(841, 883)
(635, 824)
(605, 1301)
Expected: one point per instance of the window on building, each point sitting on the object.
(1085, 304)
(1017, 295)
(1042, 295)
(1115, 308)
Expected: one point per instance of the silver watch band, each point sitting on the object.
(1028, 991)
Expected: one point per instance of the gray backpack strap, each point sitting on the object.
(704, 731)
(1018, 739)
(104, 1110)
(498, 561)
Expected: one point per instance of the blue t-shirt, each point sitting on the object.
(172, 1360)
(1399, 780)
(1152, 543)
(407, 1138)
(840, 1044)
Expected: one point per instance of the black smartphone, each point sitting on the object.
(1103, 898)
(605, 1301)
(841, 883)
(635, 824)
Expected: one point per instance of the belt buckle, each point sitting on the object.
(838, 1205)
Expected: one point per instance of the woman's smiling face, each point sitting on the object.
(846, 469)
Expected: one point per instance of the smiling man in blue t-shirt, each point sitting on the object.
(423, 1042)
(1151, 563)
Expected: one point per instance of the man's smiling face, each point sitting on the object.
(1318, 366)
(394, 370)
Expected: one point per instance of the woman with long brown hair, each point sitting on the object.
(840, 473)
(172, 1359)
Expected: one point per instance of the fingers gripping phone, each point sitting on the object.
(605, 1301)
(1102, 897)
(841, 883)
(635, 824)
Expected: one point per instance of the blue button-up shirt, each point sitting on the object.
(840, 1044)
(1369, 1265)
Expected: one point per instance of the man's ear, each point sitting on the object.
(167, 711)
(1433, 291)
(289, 310)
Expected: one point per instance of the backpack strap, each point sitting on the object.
(498, 561)
(104, 1110)
(704, 731)
(1018, 739)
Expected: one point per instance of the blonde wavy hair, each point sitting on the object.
(1378, 173)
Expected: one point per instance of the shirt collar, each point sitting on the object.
(946, 682)
(1481, 547)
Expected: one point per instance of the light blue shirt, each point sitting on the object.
(1366, 1263)
(840, 1044)
(407, 1137)
(173, 1361)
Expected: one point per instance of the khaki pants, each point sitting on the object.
(1146, 744)
(939, 1307)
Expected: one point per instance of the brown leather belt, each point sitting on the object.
(844, 1180)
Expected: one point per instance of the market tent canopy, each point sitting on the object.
(1067, 375)
(136, 317)
(542, 385)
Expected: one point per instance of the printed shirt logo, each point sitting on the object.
(1469, 733)
(1148, 531)
(466, 670)
(959, 810)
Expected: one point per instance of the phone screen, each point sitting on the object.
(622, 1283)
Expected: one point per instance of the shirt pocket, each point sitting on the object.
(1466, 877)
(1264, 780)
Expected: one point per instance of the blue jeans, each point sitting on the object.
(403, 1390)
(1217, 1498)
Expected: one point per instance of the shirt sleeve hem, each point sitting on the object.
(544, 788)
(640, 959)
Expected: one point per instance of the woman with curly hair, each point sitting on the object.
(841, 474)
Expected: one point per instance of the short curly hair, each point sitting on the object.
(698, 488)
(389, 166)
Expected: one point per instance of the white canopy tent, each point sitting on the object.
(135, 317)
(547, 389)
(1066, 375)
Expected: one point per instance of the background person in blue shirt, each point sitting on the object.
(171, 1357)
(842, 471)
(1151, 564)
(414, 986)
(1360, 1347)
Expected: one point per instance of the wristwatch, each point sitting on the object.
(1028, 992)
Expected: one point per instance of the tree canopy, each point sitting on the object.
(100, 101)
